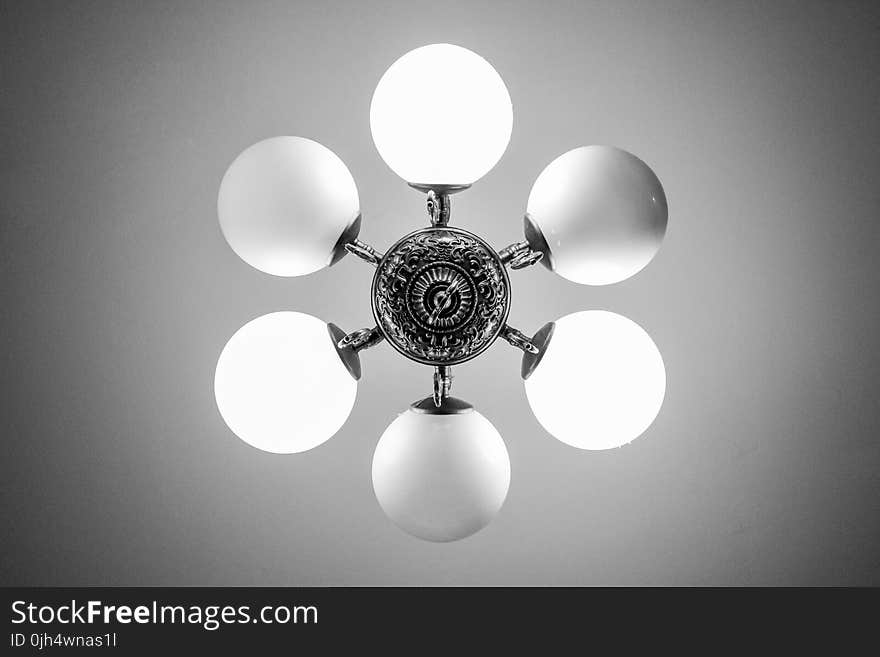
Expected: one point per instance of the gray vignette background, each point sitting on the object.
(118, 120)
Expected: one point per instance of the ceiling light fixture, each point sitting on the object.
(286, 382)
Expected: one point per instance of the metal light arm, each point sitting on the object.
(438, 203)
(520, 255)
(439, 207)
(442, 384)
(518, 339)
(361, 339)
(363, 251)
(348, 345)
(540, 340)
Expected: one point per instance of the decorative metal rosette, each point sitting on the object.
(441, 295)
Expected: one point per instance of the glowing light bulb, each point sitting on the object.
(284, 203)
(280, 385)
(602, 213)
(600, 383)
(441, 477)
(441, 115)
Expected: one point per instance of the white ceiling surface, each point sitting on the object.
(762, 465)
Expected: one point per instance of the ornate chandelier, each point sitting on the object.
(286, 382)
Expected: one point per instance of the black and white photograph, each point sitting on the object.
(321, 303)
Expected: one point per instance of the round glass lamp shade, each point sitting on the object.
(602, 213)
(600, 382)
(441, 115)
(280, 384)
(441, 477)
(284, 203)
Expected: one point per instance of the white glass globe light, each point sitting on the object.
(280, 384)
(602, 213)
(441, 115)
(284, 203)
(600, 382)
(441, 477)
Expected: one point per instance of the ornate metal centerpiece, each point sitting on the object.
(441, 295)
